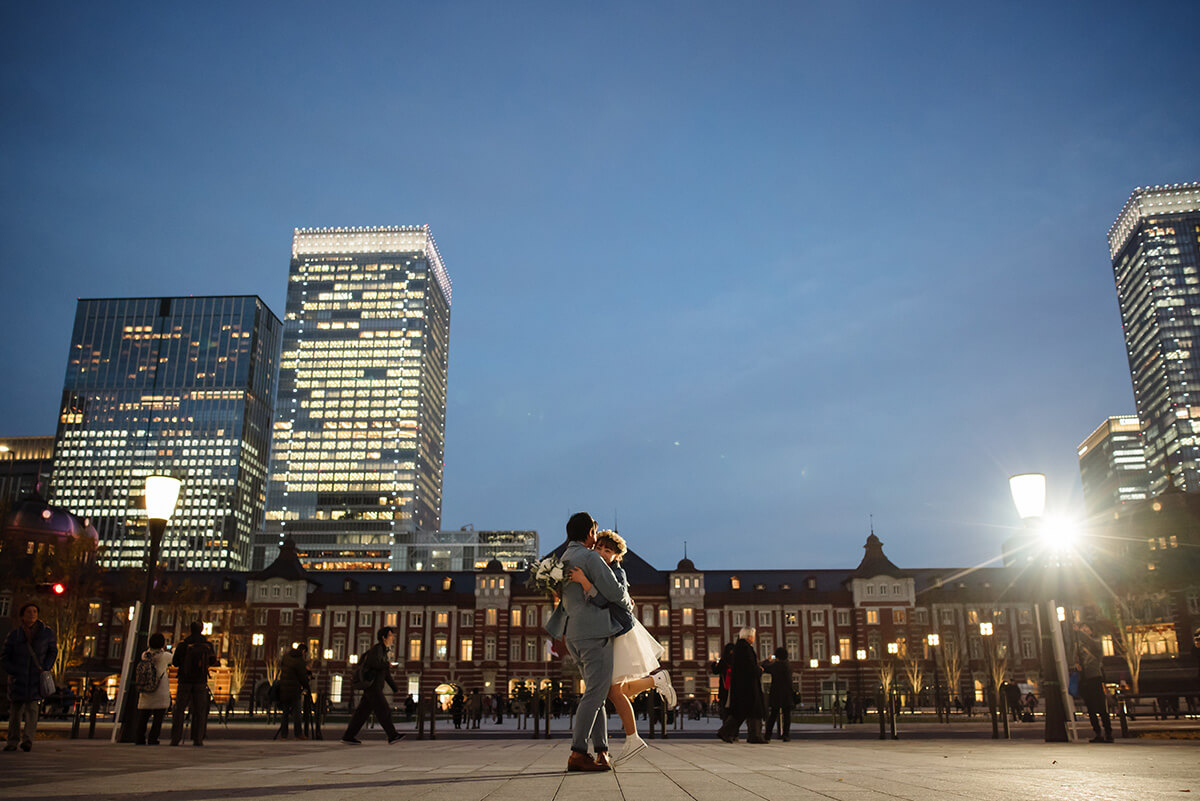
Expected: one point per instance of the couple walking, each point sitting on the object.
(617, 656)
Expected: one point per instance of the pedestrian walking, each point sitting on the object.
(154, 690)
(374, 671)
(745, 698)
(1091, 682)
(193, 658)
(475, 709)
(780, 697)
(293, 684)
(29, 650)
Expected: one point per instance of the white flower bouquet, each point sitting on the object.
(547, 576)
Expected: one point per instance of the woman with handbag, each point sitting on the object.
(29, 653)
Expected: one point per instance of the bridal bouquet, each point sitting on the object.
(547, 576)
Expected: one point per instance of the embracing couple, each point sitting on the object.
(616, 655)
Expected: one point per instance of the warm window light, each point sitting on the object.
(161, 494)
(1028, 493)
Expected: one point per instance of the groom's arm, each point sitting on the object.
(602, 578)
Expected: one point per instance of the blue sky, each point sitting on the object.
(737, 274)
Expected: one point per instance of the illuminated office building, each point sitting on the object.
(1112, 465)
(467, 549)
(176, 385)
(356, 469)
(1155, 248)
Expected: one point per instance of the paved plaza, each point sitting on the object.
(508, 768)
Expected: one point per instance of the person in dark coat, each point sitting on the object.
(781, 698)
(29, 649)
(376, 668)
(721, 669)
(1088, 656)
(456, 708)
(193, 658)
(745, 701)
(293, 683)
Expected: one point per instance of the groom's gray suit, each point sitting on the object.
(589, 630)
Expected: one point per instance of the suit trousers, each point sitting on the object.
(371, 701)
(194, 695)
(595, 658)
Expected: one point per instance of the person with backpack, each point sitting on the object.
(154, 690)
(374, 670)
(193, 658)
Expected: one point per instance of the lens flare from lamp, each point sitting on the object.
(1028, 493)
(1059, 534)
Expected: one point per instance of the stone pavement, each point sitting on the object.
(510, 769)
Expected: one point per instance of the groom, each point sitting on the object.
(588, 631)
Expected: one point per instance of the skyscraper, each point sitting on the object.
(359, 436)
(176, 385)
(1112, 465)
(1156, 264)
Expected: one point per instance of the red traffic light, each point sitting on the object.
(58, 588)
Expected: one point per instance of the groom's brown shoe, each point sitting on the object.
(578, 761)
(603, 761)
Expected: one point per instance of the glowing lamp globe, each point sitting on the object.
(161, 494)
(1028, 493)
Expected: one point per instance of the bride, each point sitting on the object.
(635, 652)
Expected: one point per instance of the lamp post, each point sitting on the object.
(893, 649)
(836, 708)
(933, 640)
(985, 631)
(812, 664)
(161, 494)
(860, 656)
(1029, 496)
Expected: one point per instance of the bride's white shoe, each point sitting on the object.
(634, 745)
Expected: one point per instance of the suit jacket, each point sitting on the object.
(576, 618)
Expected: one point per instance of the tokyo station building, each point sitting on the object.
(482, 629)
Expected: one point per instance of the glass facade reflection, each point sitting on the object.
(176, 385)
(1155, 248)
(359, 433)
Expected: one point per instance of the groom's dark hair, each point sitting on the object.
(579, 526)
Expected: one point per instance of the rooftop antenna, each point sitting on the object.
(685, 549)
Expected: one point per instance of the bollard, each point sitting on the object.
(420, 718)
(1121, 715)
(433, 715)
(650, 704)
(537, 713)
(549, 703)
(879, 704)
(1004, 715)
(75, 722)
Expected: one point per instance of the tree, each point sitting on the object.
(914, 671)
(238, 660)
(1131, 616)
(952, 660)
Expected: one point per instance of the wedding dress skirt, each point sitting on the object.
(635, 654)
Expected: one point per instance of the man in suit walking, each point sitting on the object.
(588, 630)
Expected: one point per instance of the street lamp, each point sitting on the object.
(934, 640)
(1029, 495)
(161, 494)
(985, 631)
(836, 707)
(893, 650)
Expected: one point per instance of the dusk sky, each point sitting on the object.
(736, 274)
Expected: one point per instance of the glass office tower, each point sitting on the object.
(1156, 264)
(358, 440)
(176, 385)
(1112, 466)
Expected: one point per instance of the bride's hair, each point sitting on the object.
(613, 541)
